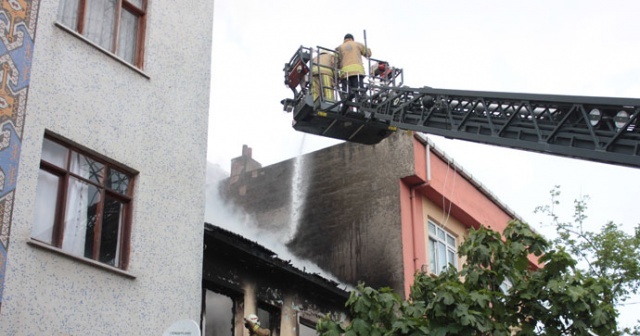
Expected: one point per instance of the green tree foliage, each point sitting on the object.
(497, 292)
(609, 253)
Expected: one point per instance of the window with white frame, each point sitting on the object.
(83, 203)
(442, 249)
(117, 26)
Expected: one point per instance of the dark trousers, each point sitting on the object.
(354, 82)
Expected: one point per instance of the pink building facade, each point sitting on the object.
(377, 214)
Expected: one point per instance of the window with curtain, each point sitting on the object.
(83, 203)
(442, 249)
(115, 25)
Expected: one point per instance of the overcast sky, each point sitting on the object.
(558, 47)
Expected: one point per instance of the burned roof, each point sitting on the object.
(254, 253)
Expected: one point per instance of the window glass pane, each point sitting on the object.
(128, 36)
(54, 153)
(432, 229)
(137, 3)
(450, 240)
(451, 257)
(68, 13)
(264, 317)
(118, 181)
(80, 218)
(46, 203)
(433, 262)
(86, 167)
(442, 256)
(100, 22)
(110, 235)
(440, 234)
(306, 330)
(219, 310)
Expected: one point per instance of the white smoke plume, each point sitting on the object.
(229, 217)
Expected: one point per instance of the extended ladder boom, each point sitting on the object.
(592, 128)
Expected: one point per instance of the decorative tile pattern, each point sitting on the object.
(17, 33)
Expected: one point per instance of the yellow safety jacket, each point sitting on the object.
(257, 331)
(350, 57)
(323, 64)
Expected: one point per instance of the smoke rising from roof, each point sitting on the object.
(229, 217)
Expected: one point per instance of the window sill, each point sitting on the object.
(425, 269)
(63, 253)
(107, 52)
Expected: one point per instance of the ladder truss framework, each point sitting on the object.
(598, 129)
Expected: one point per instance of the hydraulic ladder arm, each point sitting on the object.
(598, 129)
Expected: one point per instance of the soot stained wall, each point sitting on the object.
(350, 220)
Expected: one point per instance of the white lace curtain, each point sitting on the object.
(79, 199)
(100, 24)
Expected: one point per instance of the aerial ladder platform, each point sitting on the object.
(600, 129)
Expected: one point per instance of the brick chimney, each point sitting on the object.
(243, 164)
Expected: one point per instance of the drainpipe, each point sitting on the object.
(412, 196)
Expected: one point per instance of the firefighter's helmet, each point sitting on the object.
(252, 318)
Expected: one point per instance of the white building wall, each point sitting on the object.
(156, 124)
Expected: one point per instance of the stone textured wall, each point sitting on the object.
(154, 122)
(349, 219)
